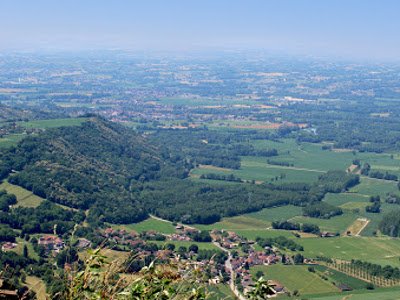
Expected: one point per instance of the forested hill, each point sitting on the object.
(121, 176)
(97, 163)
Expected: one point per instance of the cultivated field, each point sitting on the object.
(147, 225)
(25, 198)
(43, 124)
(296, 278)
(378, 294)
(375, 250)
(10, 140)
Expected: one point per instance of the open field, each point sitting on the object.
(276, 213)
(378, 294)
(381, 251)
(10, 140)
(344, 198)
(308, 162)
(372, 187)
(296, 278)
(354, 205)
(25, 198)
(341, 278)
(257, 168)
(311, 156)
(334, 224)
(236, 223)
(147, 225)
(43, 124)
(253, 234)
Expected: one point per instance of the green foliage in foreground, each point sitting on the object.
(99, 279)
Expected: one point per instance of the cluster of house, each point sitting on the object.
(51, 243)
(241, 264)
(8, 246)
(183, 233)
(327, 234)
(121, 236)
(227, 239)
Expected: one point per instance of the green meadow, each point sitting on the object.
(296, 278)
(10, 140)
(276, 213)
(340, 278)
(257, 168)
(147, 225)
(378, 294)
(25, 198)
(372, 187)
(52, 123)
(334, 224)
(372, 249)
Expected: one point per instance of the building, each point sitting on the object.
(51, 242)
(8, 246)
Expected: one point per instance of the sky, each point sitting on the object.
(341, 28)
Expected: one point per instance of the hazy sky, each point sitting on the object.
(347, 28)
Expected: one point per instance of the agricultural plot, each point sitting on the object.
(276, 213)
(357, 227)
(296, 278)
(311, 156)
(335, 224)
(372, 187)
(25, 198)
(341, 278)
(267, 233)
(43, 124)
(257, 168)
(381, 251)
(378, 294)
(10, 140)
(307, 156)
(345, 198)
(243, 222)
(147, 225)
(354, 205)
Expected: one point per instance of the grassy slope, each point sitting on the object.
(149, 224)
(10, 140)
(376, 250)
(25, 198)
(43, 124)
(378, 294)
(341, 278)
(296, 278)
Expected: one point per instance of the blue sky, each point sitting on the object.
(346, 28)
